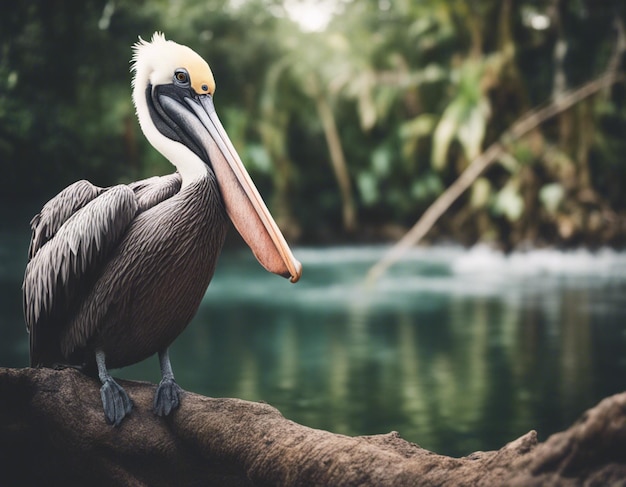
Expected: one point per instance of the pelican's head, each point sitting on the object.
(170, 79)
(173, 90)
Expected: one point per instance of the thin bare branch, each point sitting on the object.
(521, 127)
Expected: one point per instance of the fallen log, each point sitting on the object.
(52, 432)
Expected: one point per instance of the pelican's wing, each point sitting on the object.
(56, 212)
(152, 191)
(65, 261)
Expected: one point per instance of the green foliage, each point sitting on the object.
(416, 90)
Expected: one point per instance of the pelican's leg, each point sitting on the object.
(167, 397)
(115, 401)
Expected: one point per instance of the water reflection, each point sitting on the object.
(458, 351)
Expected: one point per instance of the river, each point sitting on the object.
(458, 350)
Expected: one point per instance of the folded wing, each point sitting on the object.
(72, 237)
(67, 253)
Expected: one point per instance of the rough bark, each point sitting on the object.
(52, 432)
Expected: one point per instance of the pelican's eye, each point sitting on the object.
(181, 77)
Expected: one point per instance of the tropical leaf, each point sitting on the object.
(551, 195)
(509, 202)
(481, 193)
(466, 116)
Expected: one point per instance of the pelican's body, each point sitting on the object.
(116, 274)
(179, 240)
(152, 281)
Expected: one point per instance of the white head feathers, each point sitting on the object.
(156, 63)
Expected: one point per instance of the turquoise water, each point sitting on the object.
(458, 350)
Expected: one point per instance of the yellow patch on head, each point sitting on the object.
(200, 74)
(157, 61)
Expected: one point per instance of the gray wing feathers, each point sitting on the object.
(56, 212)
(152, 191)
(62, 267)
(149, 192)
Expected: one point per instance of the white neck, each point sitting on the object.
(189, 165)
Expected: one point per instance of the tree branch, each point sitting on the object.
(52, 431)
(521, 127)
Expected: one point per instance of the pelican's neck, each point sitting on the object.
(189, 165)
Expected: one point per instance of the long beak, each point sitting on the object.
(244, 204)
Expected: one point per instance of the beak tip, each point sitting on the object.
(295, 277)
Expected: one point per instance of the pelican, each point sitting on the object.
(115, 274)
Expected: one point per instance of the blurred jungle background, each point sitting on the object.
(353, 117)
(350, 131)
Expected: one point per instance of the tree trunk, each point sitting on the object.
(52, 432)
(338, 162)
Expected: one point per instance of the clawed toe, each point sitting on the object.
(115, 401)
(167, 397)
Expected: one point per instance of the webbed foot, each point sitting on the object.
(167, 396)
(115, 401)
